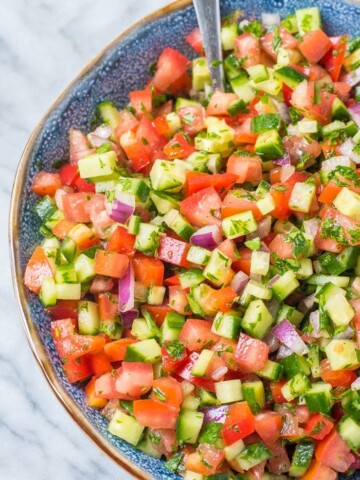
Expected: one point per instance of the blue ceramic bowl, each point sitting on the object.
(121, 67)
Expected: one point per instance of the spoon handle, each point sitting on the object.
(208, 15)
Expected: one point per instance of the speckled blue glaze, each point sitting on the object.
(124, 68)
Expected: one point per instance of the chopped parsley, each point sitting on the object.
(255, 28)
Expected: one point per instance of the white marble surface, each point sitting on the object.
(43, 45)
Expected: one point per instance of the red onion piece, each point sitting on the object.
(273, 306)
(283, 352)
(288, 335)
(273, 280)
(283, 109)
(207, 237)
(215, 414)
(129, 317)
(219, 373)
(127, 291)
(347, 149)
(356, 463)
(315, 323)
(307, 304)
(352, 78)
(333, 162)
(311, 227)
(356, 384)
(270, 19)
(285, 161)
(286, 172)
(354, 111)
(272, 342)
(346, 334)
(121, 208)
(239, 281)
(262, 231)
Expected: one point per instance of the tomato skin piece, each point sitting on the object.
(279, 461)
(121, 242)
(77, 369)
(100, 364)
(281, 196)
(45, 183)
(303, 99)
(184, 372)
(150, 413)
(195, 334)
(334, 452)
(148, 271)
(38, 268)
(222, 299)
(74, 207)
(243, 133)
(178, 147)
(141, 101)
(171, 66)
(329, 193)
(167, 390)
(345, 222)
(244, 262)
(246, 45)
(202, 208)
(268, 427)
(135, 150)
(251, 354)
(315, 45)
(196, 181)
(318, 426)
(195, 41)
(116, 350)
(281, 247)
(127, 121)
(173, 251)
(339, 378)
(178, 300)
(111, 264)
(247, 169)
(317, 471)
(239, 423)
(64, 309)
(332, 62)
(69, 173)
(133, 379)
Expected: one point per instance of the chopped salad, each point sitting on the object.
(201, 256)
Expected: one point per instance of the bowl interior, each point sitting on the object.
(124, 66)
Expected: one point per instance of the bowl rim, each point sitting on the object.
(32, 335)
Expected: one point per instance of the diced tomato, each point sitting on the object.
(64, 309)
(247, 47)
(100, 364)
(127, 121)
(133, 380)
(71, 345)
(171, 66)
(334, 452)
(279, 461)
(91, 398)
(178, 300)
(173, 251)
(196, 334)
(141, 101)
(276, 392)
(318, 426)
(228, 247)
(172, 358)
(178, 147)
(314, 45)
(247, 169)
(166, 442)
(290, 427)
(194, 39)
(251, 354)
(303, 99)
(244, 262)
(281, 247)
(167, 390)
(334, 58)
(268, 427)
(149, 271)
(116, 350)
(206, 460)
(149, 137)
(281, 196)
(121, 241)
(158, 312)
(162, 126)
(69, 173)
(77, 369)
(192, 119)
(196, 181)
(226, 349)
(135, 150)
(347, 224)
(101, 284)
(38, 268)
(220, 103)
(74, 207)
(46, 183)
(62, 228)
(329, 193)
(222, 299)
(328, 244)
(111, 264)
(239, 423)
(237, 201)
(338, 378)
(243, 133)
(317, 471)
(153, 414)
(83, 185)
(83, 236)
(180, 87)
(184, 372)
(79, 146)
(202, 208)
(288, 41)
(287, 93)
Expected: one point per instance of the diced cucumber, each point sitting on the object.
(307, 126)
(239, 224)
(351, 404)
(208, 399)
(171, 328)
(231, 67)
(190, 403)
(242, 87)
(189, 475)
(352, 61)
(52, 220)
(217, 267)
(254, 395)
(314, 360)
(198, 255)
(88, 319)
(200, 74)
(146, 446)
(318, 397)
(48, 292)
(147, 239)
(156, 295)
(272, 86)
(68, 249)
(319, 280)
(98, 165)
(290, 23)
(287, 56)
(257, 319)
(163, 202)
(348, 203)
(229, 391)
(84, 267)
(295, 364)
(285, 285)
(272, 371)
(254, 289)
(269, 144)
(125, 427)
(191, 277)
(301, 197)
(167, 176)
(189, 425)
(308, 19)
(339, 309)
(290, 76)
(301, 459)
(45, 207)
(260, 262)
(306, 269)
(201, 294)
(219, 137)
(265, 122)
(342, 354)
(286, 312)
(339, 111)
(66, 274)
(228, 35)
(258, 73)
(148, 351)
(136, 186)
(266, 204)
(68, 291)
(109, 114)
(185, 102)
(349, 429)
(142, 330)
(111, 327)
(202, 363)
(176, 222)
(233, 450)
(227, 324)
(294, 387)
(252, 455)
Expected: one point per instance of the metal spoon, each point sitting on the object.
(208, 16)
